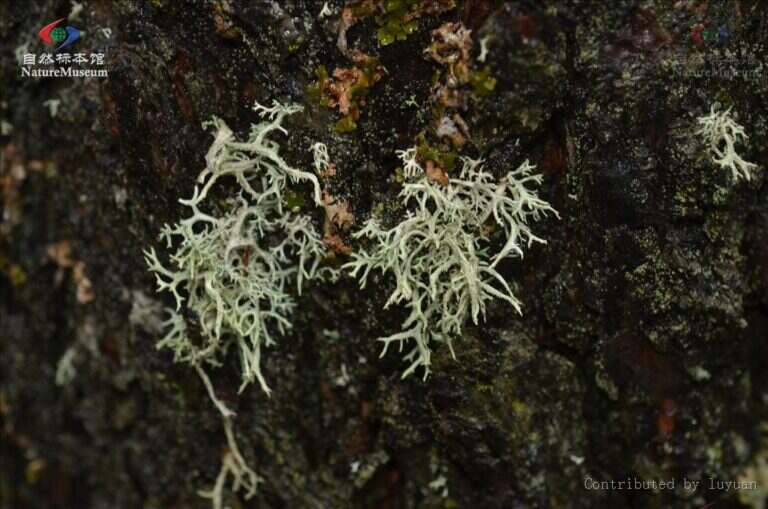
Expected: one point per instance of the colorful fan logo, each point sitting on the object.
(53, 34)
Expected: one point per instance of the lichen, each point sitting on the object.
(452, 85)
(233, 463)
(339, 217)
(483, 82)
(440, 254)
(234, 271)
(396, 19)
(347, 89)
(451, 47)
(719, 128)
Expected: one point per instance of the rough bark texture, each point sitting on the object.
(642, 347)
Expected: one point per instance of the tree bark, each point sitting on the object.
(641, 350)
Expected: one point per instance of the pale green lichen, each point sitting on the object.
(320, 157)
(65, 368)
(440, 254)
(233, 463)
(721, 133)
(233, 271)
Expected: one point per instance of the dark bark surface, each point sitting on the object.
(641, 351)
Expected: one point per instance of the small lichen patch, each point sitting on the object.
(396, 19)
(338, 215)
(451, 47)
(483, 82)
(453, 84)
(233, 463)
(721, 133)
(338, 218)
(347, 89)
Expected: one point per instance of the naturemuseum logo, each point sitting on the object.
(704, 35)
(53, 34)
(58, 63)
